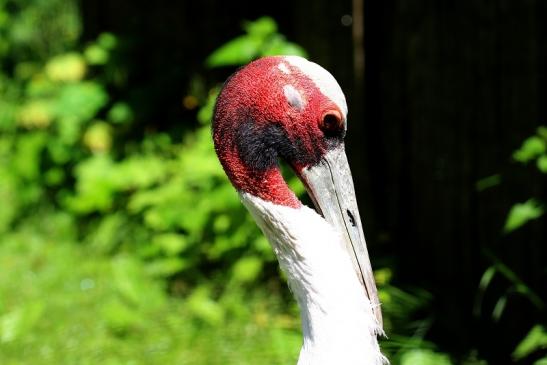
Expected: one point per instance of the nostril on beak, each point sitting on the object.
(351, 218)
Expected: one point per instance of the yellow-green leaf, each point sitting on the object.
(98, 137)
(247, 269)
(521, 213)
(530, 149)
(535, 340)
(542, 163)
(66, 67)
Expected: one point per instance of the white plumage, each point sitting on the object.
(338, 323)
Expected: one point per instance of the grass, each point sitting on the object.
(62, 303)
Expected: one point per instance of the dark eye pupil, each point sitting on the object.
(331, 124)
(330, 121)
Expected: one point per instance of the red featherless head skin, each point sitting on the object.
(276, 107)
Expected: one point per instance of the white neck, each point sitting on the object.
(337, 319)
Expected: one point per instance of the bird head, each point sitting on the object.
(285, 107)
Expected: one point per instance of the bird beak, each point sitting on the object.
(330, 186)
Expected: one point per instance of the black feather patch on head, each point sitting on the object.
(260, 146)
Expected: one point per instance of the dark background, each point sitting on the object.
(451, 89)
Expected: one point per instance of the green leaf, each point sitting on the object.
(17, 323)
(499, 308)
(262, 27)
(204, 307)
(54, 176)
(221, 224)
(205, 114)
(126, 278)
(9, 196)
(247, 269)
(424, 357)
(81, 101)
(28, 157)
(98, 137)
(261, 40)
(171, 243)
(165, 267)
(487, 277)
(485, 281)
(238, 51)
(139, 172)
(107, 40)
(278, 45)
(67, 67)
(542, 163)
(519, 285)
(95, 187)
(120, 113)
(521, 213)
(108, 233)
(119, 317)
(8, 114)
(133, 284)
(530, 149)
(542, 132)
(488, 182)
(37, 113)
(535, 340)
(77, 104)
(96, 55)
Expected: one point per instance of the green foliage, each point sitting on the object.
(42, 28)
(534, 147)
(262, 39)
(515, 285)
(405, 323)
(71, 304)
(535, 340)
(161, 209)
(18, 322)
(50, 105)
(424, 357)
(521, 213)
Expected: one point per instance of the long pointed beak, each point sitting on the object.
(330, 186)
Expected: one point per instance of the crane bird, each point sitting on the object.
(286, 107)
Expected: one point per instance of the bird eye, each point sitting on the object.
(332, 124)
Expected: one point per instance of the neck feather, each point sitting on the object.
(337, 319)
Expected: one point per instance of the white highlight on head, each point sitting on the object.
(293, 97)
(283, 67)
(323, 80)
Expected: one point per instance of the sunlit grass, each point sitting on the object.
(60, 303)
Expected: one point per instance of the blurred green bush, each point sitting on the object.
(64, 146)
(152, 215)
